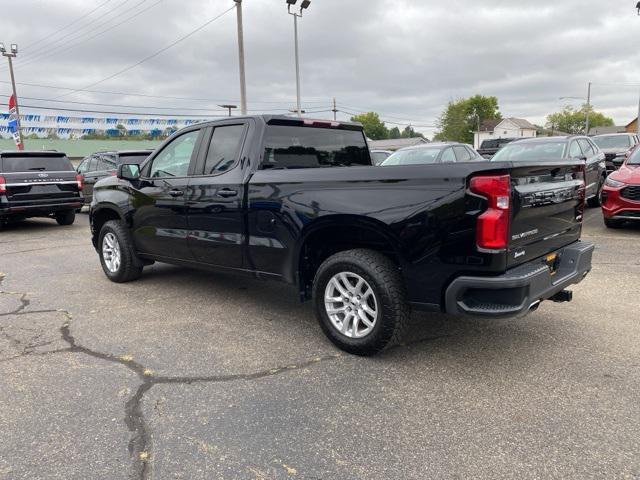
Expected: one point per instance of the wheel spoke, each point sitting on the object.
(350, 304)
(345, 281)
(339, 287)
(345, 322)
(365, 320)
(333, 311)
(329, 298)
(369, 310)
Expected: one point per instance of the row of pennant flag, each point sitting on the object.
(95, 120)
(79, 131)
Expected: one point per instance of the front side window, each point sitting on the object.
(174, 159)
(82, 168)
(574, 150)
(224, 149)
(310, 147)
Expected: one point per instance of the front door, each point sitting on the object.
(160, 220)
(216, 196)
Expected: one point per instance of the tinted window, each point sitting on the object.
(92, 164)
(613, 141)
(462, 154)
(586, 147)
(224, 149)
(448, 156)
(379, 157)
(83, 166)
(106, 162)
(308, 147)
(489, 144)
(574, 150)
(413, 156)
(130, 158)
(174, 159)
(27, 164)
(523, 151)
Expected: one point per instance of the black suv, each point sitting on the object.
(490, 147)
(99, 165)
(38, 184)
(616, 147)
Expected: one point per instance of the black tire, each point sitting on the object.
(129, 268)
(385, 281)
(66, 218)
(597, 200)
(611, 223)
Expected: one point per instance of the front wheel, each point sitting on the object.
(66, 218)
(360, 301)
(117, 255)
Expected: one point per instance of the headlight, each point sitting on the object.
(609, 182)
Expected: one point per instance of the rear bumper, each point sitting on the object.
(37, 209)
(519, 289)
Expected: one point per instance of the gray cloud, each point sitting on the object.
(403, 58)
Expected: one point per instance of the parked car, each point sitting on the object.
(488, 148)
(379, 156)
(38, 184)
(99, 165)
(561, 148)
(295, 200)
(621, 193)
(616, 147)
(438, 152)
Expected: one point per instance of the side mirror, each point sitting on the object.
(129, 171)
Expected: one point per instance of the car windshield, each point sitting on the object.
(613, 141)
(530, 151)
(416, 156)
(634, 159)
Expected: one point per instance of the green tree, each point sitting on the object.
(374, 128)
(409, 132)
(395, 133)
(459, 119)
(573, 120)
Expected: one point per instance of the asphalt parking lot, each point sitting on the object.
(187, 374)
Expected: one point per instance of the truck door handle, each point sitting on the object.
(226, 193)
(176, 193)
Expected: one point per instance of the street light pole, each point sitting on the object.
(229, 107)
(304, 5)
(588, 109)
(243, 83)
(10, 55)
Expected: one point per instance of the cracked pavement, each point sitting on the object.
(189, 374)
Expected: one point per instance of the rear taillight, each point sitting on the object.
(3, 185)
(79, 180)
(493, 225)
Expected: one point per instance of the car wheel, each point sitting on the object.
(360, 301)
(66, 218)
(596, 200)
(117, 255)
(611, 223)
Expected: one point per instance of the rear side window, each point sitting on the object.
(309, 147)
(586, 147)
(462, 154)
(106, 162)
(32, 164)
(223, 149)
(574, 150)
(448, 156)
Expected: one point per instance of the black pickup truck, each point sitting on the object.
(298, 201)
(38, 184)
(488, 148)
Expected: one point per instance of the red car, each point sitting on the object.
(621, 193)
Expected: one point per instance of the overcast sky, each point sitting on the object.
(403, 59)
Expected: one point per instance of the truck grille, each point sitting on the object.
(631, 193)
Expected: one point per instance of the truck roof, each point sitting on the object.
(291, 120)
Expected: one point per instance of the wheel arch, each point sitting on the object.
(101, 215)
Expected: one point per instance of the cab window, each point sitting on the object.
(174, 159)
(574, 150)
(224, 149)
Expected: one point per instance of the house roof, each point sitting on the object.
(522, 123)
(489, 125)
(606, 130)
(396, 143)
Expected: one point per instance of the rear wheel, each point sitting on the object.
(117, 255)
(66, 218)
(611, 223)
(360, 301)
(596, 201)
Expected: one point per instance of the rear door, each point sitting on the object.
(595, 166)
(547, 209)
(160, 218)
(216, 197)
(89, 175)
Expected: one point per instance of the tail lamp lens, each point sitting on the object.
(493, 225)
(3, 185)
(80, 181)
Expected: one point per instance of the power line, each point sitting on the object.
(37, 57)
(153, 55)
(65, 27)
(167, 97)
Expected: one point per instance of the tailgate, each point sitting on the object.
(40, 187)
(547, 209)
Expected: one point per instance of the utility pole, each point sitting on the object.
(638, 119)
(304, 5)
(243, 83)
(335, 110)
(228, 107)
(588, 108)
(10, 55)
